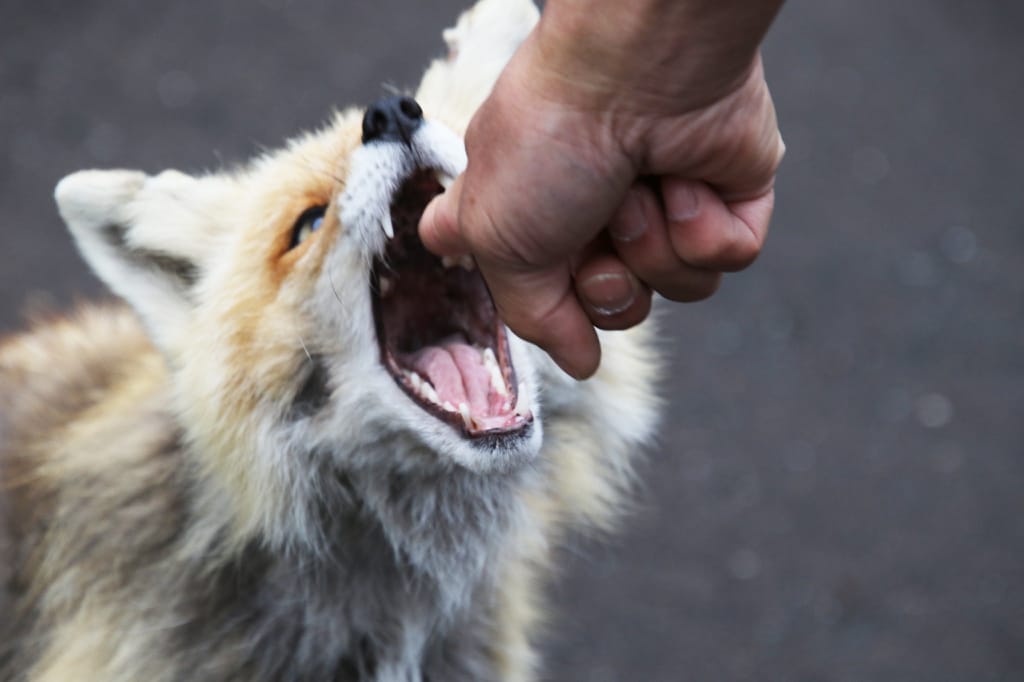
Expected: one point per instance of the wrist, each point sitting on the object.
(670, 55)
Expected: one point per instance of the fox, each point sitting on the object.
(301, 446)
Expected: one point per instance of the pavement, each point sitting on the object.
(837, 491)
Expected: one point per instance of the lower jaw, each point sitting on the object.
(512, 417)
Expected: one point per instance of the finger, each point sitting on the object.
(745, 167)
(541, 307)
(439, 224)
(612, 296)
(709, 234)
(756, 214)
(639, 234)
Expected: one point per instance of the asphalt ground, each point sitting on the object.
(837, 493)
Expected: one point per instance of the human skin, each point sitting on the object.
(627, 147)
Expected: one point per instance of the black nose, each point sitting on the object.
(393, 119)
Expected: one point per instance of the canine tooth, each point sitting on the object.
(448, 261)
(448, 406)
(386, 225)
(445, 179)
(387, 285)
(523, 401)
(429, 393)
(467, 418)
(491, 365)
(417, 382)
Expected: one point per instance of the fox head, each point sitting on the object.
(293, 301)
(300, 318)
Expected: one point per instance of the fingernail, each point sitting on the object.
(682, 203)
(608, 293)
(629, 222)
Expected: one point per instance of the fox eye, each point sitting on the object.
(308, 223)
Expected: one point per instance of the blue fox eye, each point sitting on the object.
(308, 223)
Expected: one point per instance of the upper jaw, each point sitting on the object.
(378, 170)
(466, 355)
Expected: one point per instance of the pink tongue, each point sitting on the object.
(457, 373)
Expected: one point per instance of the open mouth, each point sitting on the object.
(439, 333)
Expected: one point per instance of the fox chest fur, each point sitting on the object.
(306, 448)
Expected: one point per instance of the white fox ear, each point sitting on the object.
(145, 236)
(479, 46)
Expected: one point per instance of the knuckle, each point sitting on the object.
(726, 254)
(780, 152)
(533, 321)
(744, 251)
(707, 288)
(697, 287)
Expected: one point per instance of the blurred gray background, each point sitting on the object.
(837, 494)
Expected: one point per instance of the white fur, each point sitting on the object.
(479, 46)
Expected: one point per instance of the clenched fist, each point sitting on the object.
(627, 148)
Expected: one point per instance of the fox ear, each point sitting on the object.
(146, 236)
(479, 46)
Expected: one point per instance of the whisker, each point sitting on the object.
(330, 278)
(303, 343)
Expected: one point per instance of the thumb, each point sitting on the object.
(439, 225)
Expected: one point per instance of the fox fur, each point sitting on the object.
(219, 481)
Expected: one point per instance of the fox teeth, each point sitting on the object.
(387, 285)
(424, 389)
(445, 179)
(491, 365)
(428, 392)
(386, 225)
(464, 261)
(467, 418)
(523, 401)
(414, 380)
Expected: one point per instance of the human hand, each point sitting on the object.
(594, 177)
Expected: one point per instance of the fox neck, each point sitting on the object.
(401, 563)
(441, 528)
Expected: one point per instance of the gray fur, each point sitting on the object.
(398, 594)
